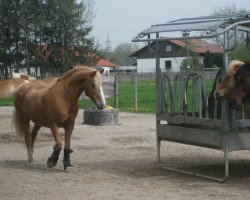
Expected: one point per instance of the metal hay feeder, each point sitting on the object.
(188, 123)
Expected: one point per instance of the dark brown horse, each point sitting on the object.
(241, 90)
(225, 87)
(55, 105)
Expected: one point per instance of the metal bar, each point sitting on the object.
(136, 39)
(226, 157)
(116, 91)
(158, 80)
(200, 99)
(221, 180)
(136, 91)
(158, 147)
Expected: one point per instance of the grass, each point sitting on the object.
(146, 97)
(6, 102)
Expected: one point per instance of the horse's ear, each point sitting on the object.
(93, 73)
(101, 71)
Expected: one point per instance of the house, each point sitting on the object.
(106, 65)
(172, 53)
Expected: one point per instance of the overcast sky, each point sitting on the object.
(121, 20)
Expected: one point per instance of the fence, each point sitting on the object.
(137, 91)
(130, 91)
(110, 89)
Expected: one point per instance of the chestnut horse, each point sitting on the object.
(9, 86)
(225, 87)
(55, 105)
(241, 90)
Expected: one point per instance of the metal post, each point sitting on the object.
(158, 81)
(136, 91)
(158, 100)
(116, 90)
(158, 148)
(226, 158)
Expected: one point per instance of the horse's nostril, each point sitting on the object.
(217, 95)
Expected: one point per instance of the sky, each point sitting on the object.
(120, 20)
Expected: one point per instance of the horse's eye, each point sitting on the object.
(93, 85)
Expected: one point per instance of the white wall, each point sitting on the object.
(148, 65)
(145, 65)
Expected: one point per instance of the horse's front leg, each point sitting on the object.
(68, 167)
(52, 160)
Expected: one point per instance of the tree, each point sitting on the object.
(11, 51)
(122, 52)
(218, 59)
(105, 53)
(225, 10)
(242, 53)
(48, 33)
(190, 64)
(66, 33)
(208, 60)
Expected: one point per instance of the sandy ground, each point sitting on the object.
(116, 162)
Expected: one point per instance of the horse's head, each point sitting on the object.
(227, 84)
(93, 88)
(241, 90)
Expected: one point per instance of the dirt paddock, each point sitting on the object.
(116, 162)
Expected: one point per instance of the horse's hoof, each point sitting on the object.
(67, 166)
(69, 169)
(51, 163)
(31, 160)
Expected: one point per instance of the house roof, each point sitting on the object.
(198, 46)
(105, 63)
(194, 45)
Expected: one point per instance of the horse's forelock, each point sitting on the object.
(98, 78)
(234, 66)
(243, 70)
(98, 82)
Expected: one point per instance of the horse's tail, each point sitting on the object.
(22, 127)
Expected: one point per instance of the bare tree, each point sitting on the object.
(226, 10)
(122, 52)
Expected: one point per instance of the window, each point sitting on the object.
(168, 47)
(168, 65)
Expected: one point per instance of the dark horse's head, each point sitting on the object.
(225, 87)
(241, 90)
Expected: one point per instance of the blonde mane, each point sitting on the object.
(75, 69)
(233, 67)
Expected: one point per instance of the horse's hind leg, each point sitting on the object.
(52, 160)
(27, 139)
(33, 138)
